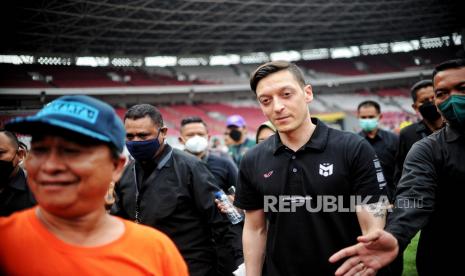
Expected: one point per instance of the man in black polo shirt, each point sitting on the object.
(429, 195)
(423, 103)
(290, 183)
(383, 142)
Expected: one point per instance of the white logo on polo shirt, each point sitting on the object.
(326, 169)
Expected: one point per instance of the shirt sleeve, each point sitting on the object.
(367, 178)
(415, 193)
(247, 194)
(402, 151)
(204, 190)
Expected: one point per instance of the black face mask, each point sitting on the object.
(429, 112)
(6, 168)
(235, 135)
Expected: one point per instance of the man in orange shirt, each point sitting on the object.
(75, 154)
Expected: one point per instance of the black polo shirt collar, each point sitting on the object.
(421, 127)
(317, 141)
(379, 135)
(205, 157)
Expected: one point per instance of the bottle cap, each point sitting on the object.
(218, 194)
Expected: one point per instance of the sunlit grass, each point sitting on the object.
(409, 258)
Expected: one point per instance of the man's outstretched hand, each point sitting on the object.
(372, 252)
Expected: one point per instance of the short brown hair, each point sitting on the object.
(269, 68)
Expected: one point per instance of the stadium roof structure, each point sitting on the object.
(199, 27)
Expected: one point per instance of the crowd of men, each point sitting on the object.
(316, 200)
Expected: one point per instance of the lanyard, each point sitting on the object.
(160, 165)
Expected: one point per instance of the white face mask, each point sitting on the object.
(196, 144)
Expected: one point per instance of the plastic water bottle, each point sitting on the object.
(231, 212)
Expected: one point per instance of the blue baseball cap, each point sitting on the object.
(235, 120)
(80, 114)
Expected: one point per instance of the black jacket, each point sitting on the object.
(430, 197)
(15, 196)
(177, 198)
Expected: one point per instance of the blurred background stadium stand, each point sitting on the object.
(194, 57)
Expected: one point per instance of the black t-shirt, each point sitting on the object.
(224, 170)
(333, 165)
(407, 137)
(385, 144)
